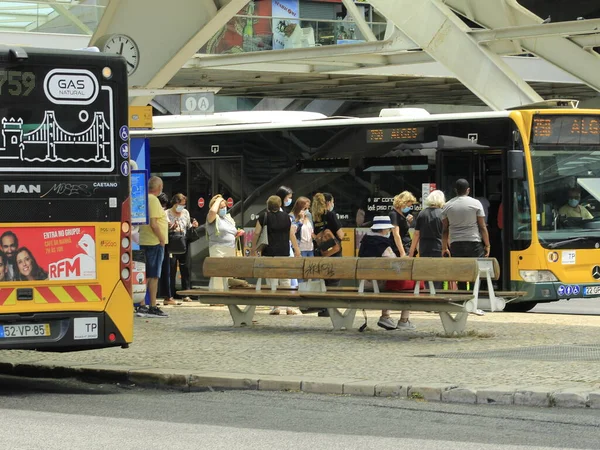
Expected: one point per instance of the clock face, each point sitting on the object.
(120, 44)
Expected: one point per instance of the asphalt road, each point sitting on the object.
(66, 414)
(586, 306)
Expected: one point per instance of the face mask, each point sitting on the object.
(223, 212)
(573, 202)
(407, 209)
(331, 207)
(288, 202)
(387, 235)
(179, 208)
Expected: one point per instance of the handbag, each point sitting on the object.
(177, 242)
(327, 244)
(192, 234)
(263, 239)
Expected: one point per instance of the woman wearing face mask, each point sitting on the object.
(221, 230)
(179, 220)
(285, 194)
(302, 226)
(400, 243)
(401, 219)
(280, 234)
(376, 244)
(324, 218)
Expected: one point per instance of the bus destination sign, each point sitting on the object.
(403, 134)
(566, 129)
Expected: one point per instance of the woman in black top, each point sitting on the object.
(324, 218)
(279, 229)
(429, 227)
(401, 219)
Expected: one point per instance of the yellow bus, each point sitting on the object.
(65, 216)
(530, 161)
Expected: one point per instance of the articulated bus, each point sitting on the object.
(65, 256)
(529, 163)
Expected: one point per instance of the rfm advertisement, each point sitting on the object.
(48, 253)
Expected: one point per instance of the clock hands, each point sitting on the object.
(121, 49)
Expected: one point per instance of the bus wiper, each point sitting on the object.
(566, 242)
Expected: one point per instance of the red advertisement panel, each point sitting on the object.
(48, 253)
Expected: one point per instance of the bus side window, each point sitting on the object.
(521, 215)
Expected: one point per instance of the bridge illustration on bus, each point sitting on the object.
(51, 143)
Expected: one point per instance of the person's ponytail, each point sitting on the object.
(318, 207)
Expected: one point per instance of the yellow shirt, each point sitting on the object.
(578, 211)
(155, 211)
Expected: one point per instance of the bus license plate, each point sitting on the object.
(25, 330)
(591, 290)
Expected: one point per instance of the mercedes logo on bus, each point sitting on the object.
(596, 272)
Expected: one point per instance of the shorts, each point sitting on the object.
(154, 259)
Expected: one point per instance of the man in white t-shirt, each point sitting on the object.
(464, 225)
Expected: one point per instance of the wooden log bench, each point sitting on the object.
(453, 308)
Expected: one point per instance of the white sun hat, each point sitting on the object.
(382, 223)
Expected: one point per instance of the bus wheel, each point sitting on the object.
(519, 307)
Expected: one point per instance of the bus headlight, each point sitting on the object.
(537, 276)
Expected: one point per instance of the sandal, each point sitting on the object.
(291, 312)
(169, 301)
(187, 299)
(275, 312)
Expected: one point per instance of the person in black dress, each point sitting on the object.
(280, 234)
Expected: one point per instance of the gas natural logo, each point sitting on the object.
(71, 86)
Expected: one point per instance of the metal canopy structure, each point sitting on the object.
(491, 53)
(433, 57)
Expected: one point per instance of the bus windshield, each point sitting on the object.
(567, 189)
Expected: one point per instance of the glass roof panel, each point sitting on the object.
(51, 16)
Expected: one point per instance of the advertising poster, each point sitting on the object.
(243, 33)
(248, 236)
(286, 25)
(49, 253)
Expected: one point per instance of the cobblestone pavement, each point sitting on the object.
(553, 351)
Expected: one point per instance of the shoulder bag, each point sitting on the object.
(177, 242)
(192, 234)
(327, 244)
(263, 239)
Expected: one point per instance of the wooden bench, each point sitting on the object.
(452, 307)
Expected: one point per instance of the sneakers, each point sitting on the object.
(155, 311)
(141, 311)
(408, 325)
(152, 311)
(275, 312)
(386, 323)
(479, 312)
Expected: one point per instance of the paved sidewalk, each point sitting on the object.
(530, 359)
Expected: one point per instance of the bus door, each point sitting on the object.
(207, 177)
(483, 170)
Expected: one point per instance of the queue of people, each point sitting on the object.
(311, 228)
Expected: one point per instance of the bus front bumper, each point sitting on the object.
(59, 331)
(553, 291)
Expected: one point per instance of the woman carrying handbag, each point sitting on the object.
(179, 251)
(221, 232)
